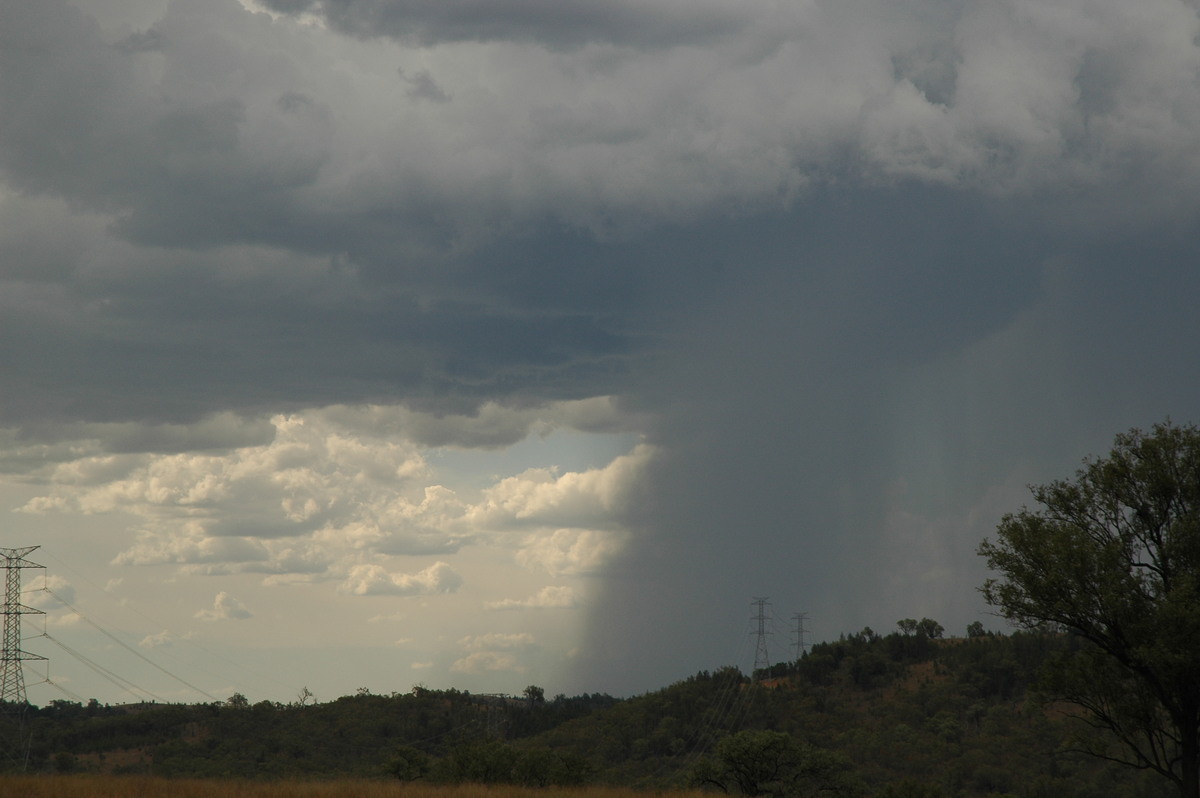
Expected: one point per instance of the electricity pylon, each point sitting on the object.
(762, 660)
(800, 618)
(12, 678)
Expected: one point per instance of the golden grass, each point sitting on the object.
(92, 786)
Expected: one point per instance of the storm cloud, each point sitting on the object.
(607, 315)
(427, 22)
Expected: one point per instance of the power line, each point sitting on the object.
(127, 647)
(73, 696)
(100, 670)
(81, 575)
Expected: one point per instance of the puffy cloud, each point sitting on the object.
(549, 597)
(484, 661)
(387, 617)
(540, 496)
(310, 478)
(225, 607)
(374, 580)
(53, 598)
(165, 639)
(493, 652)
(54, 591)
(431, 526)
(497, 640)
(154, 549)
(572, 551)
(334, 484)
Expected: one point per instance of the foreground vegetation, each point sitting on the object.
(903, 715)
(92, 786)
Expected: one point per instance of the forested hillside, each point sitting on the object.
(908, 714)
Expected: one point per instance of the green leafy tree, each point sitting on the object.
(408, 764)
(481, 763)
(535, 695)
(1113, 557)
(773, 763)
(930, 628)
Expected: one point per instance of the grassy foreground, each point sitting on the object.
(92, 786)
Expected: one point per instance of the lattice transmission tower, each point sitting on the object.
(12, 677)
(801, 645)
(762, 660)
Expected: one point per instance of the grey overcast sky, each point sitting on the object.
(485, 343)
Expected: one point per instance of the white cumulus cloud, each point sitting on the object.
(225, 607)
(541, 496)
(497, 640)
(374, 580)
(572, 551)
(494, 651)
(335, 490)
(549, 597)
(49, 593)
(484, 661)
(163, 639)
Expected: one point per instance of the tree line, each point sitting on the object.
(937, 716)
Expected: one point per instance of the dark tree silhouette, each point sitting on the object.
(1113, 557)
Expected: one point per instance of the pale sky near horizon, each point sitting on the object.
(486, 343)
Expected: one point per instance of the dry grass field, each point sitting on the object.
(150, 787)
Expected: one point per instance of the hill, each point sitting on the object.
(906, 715)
